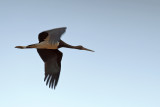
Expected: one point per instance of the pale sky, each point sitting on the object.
(124, 70)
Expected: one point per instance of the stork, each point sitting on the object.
(47, 48)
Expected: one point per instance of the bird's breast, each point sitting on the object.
(47, 45)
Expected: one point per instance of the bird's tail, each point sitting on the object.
(24, 47)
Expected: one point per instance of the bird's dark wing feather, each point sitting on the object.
(42, 36)
(54, 35)
(52, 60)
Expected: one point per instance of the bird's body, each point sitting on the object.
(49, 42)
(44, 45)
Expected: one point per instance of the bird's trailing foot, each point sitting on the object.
(24, 47)
(21, 47)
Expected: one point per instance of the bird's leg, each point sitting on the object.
(21, 47)
(24, 47)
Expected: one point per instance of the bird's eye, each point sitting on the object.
(80, 46)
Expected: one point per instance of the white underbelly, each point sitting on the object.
(46, 45)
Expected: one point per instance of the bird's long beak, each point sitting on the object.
(87, 49)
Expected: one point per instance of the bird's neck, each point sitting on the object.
(63, 44)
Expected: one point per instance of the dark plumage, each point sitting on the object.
(47, 48)
(52, 59)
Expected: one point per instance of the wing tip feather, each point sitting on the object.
(51, 80)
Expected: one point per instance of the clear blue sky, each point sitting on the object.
(123, 72)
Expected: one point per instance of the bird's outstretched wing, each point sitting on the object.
(52, 35)
(52, 60)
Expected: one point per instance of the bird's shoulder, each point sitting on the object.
(53, 35)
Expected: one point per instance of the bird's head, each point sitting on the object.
(80, 47)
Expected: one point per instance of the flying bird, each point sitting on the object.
(47, 48)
